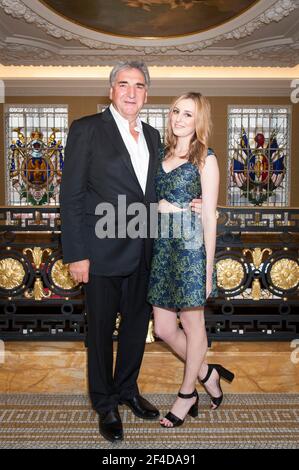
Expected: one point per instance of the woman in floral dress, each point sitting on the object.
(183, 272)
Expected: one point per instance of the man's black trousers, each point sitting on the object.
(105, 297)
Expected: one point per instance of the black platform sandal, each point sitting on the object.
(223, 373)
(193, 411)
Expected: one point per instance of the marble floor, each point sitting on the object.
(67, 421)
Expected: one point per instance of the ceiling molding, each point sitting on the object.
(159, 87)
(82, 46)
(263, 12)
(281, 54)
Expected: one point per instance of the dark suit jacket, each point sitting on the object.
(97, 169)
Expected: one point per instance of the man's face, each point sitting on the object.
(129, 93)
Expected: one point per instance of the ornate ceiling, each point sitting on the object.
(149, 18)
(162, 32)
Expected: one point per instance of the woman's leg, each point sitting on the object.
(193, 323)
(166, 328)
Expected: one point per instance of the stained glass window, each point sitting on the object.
(155, 116)
(258, 155)
(35, 141)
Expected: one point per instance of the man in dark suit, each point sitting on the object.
(108, 155)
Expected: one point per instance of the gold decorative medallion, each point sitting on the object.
(61, 276)
(230, 273)
(284, 274)
(12, 273)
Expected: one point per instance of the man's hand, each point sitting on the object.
(195, 205)
(79, 270)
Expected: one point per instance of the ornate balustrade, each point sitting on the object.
(257, 272)
(39, 299)
(257, 275)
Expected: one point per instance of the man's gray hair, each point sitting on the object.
(132, 64)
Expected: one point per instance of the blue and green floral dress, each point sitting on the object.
(178, 270)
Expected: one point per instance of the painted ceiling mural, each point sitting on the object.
(149, 18)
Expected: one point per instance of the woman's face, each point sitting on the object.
(182, 118)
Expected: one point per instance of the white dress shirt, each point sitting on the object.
(138, 150)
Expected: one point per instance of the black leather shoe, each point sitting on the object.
(141, 407)
(110, 425)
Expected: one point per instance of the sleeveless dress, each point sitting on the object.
(178, 269)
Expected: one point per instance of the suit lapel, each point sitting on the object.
(152, 158)
(117, 141)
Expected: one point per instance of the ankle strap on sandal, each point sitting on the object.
(188, 395)
(210, 370)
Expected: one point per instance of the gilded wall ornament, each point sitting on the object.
(230, 273)
(37, 254)
(150, 332)
(38, 292)
(284, 274)
(61, 276)
(257, 255)
(256, 291)
(12, 273)
(259, 294)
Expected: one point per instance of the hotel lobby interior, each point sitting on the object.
(55, 61)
